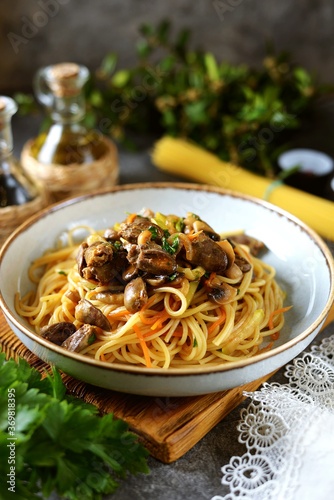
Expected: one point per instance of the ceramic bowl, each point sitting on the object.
(302, 260)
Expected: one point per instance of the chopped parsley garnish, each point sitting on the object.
(170, 248)
(154, 231)
(91, 339)
(172, 277)
(62, 272)
(195, 344)
(117, 245)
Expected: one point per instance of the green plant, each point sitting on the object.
(50, 441)
(237, 112)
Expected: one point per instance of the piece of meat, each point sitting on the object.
(58, 332)
(156, 261)
(86, 312)
(101, 274)
(98, 253)
(80, 339)
(242, 263)
(135, 295)
(255, 246)
(131, 231)
(205, 252)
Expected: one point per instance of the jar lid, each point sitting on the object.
(310, 161)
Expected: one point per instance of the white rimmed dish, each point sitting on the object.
(303, 262)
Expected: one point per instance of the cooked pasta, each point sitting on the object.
(157, 291)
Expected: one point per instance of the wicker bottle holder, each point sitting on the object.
(14, 215)
(67, 181)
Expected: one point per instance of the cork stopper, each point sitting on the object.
(63, 71)
(64, 79)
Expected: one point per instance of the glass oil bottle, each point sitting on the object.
(20, 196)
(68, 158)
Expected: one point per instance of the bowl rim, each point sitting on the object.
(171, 372)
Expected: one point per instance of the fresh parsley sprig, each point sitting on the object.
(58, 443)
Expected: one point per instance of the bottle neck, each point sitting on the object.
(68, 110)
(6, 138)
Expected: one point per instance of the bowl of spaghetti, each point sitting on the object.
(164, 289)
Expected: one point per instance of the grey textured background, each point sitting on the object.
(38, 32)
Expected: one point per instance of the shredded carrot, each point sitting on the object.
(148, 303)
(143, 345)
(191, 236)
(267, 348)
(160, 318)
(218, 321)
(274, 313)
(118, 314)
(147, 320)
(178, 332)
(155, 320)
(102, 357)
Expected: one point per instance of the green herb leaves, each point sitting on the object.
(170, 247)
(239, 113)
(53, 442)
(235, 111)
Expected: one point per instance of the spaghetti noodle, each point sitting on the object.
(156, 291)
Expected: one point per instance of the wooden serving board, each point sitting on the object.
(167, 427)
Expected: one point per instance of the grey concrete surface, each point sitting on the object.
(38, 32)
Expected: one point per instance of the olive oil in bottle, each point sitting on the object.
(67, 141)
(15, 187)
(68, 159)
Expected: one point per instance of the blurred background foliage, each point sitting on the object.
(240, 113)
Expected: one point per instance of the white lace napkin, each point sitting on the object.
(288, 431)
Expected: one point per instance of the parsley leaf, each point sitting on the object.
(154, 231)
(170, 248)
(172, 277)
(117, 245)
(61, 444)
